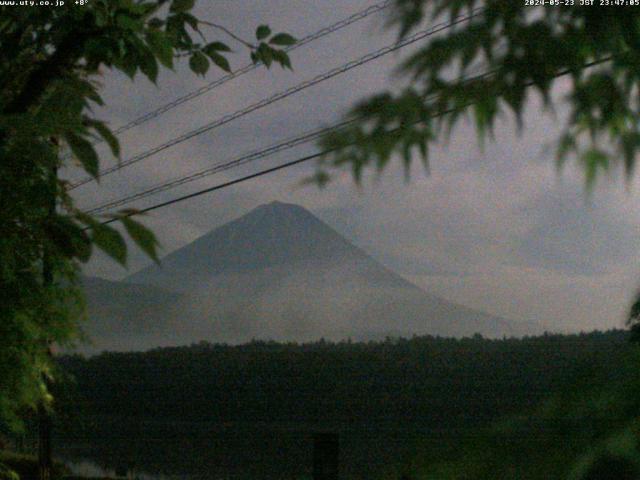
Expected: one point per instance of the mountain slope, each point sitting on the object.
(279, 272)
(125, 316)
(272, 236)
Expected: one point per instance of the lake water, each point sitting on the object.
(235, 454)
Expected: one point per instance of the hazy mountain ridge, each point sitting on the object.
(280, 273)
(123, 316)
(271, 235)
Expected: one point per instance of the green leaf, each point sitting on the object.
(321, 178)
(566, 144)
(128, 65)
(156, 23)
(147, 9)
(144, 238)
(594, 160)
(85, 153)
(265, 54)
(629, 143)
(282, 58)
(128, 23)
(70, 240)
(85, 218)
(190, 20)
(99, 50)
(101, 17)
(262, 32)
(161, 47)
(220, 61)
(282, 39)
(107, 136)
(182, 5)
(215, 47)
(199, 63)
(149, 65)
(110, 241)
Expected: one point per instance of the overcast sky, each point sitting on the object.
(495, 228)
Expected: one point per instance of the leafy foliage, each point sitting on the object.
(50, 60)
(524, 49)
(24, 467)
(588, 430)
(265, 51)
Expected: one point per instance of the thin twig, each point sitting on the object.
(204, 39)
(228, 32)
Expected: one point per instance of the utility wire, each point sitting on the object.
(244, 159)
(282, 95)
(222, 185)
(242, 179)
(324, 152)
(323, 32)
(247, 158)
(221, 167)
(356, 17)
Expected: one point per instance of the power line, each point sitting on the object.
(245, 158)
(328, 151)
(242, 160)
(356, 17)
(282, 95)
(245, 178)
(224, 185)
(220, 167)
(323, 32)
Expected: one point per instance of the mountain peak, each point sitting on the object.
(278, 220)
(271, 235)
(280, 272)
(277, 207)
(277, 203)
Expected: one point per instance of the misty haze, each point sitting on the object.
(319, 240)
(276, 273)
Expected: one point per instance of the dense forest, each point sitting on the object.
(423, 382)
(462, 408)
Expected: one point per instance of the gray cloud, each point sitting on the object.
(495, 228)
(573, 235)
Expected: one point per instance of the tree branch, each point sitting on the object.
(228, 32)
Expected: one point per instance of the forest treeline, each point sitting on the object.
(423, 382)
